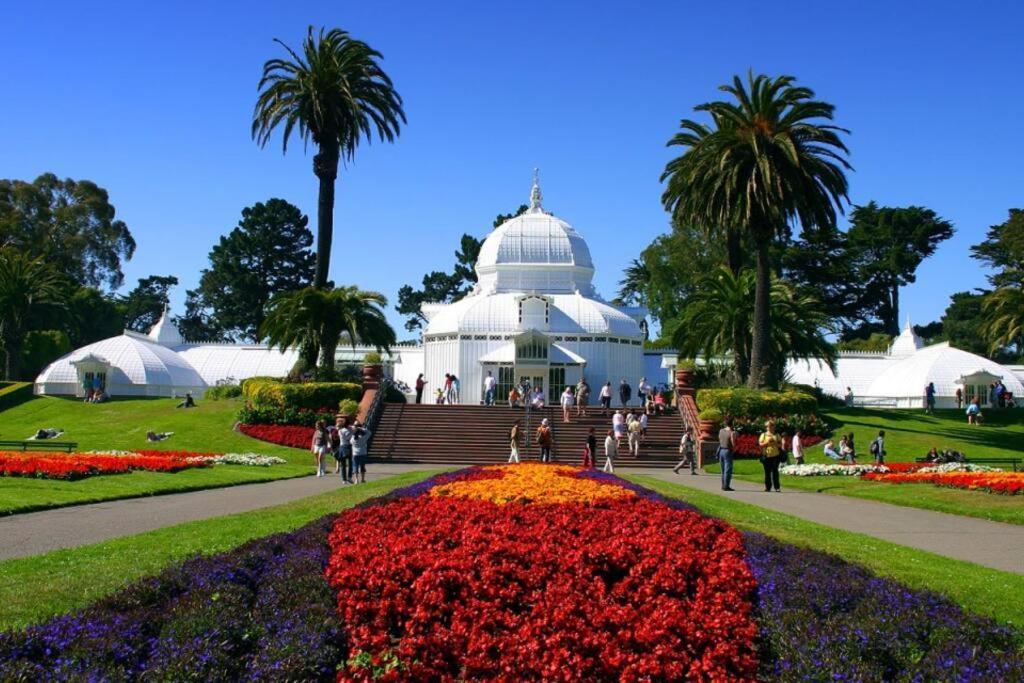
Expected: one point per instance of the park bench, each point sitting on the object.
(40, 445)
(1015, 463)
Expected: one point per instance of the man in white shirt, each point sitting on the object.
(490, 384)
(611, 449)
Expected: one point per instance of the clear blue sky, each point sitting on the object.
(153, 102)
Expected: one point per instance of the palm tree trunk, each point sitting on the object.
(12, 362)
(325, 166)
(762, 319)
(894, 323)
(734, 262)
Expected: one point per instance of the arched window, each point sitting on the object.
(531, 348)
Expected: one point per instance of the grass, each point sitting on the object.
(978, 589)
(35, 588)
(122, 424)
(909, 434)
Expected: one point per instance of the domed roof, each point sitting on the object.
(535, 251)
(134, 360)
(942, 364)
(499, 314)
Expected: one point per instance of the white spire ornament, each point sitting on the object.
(535, 194)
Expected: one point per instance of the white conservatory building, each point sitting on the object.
(533, 315)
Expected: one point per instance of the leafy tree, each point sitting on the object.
(144, 305)
(319, 318)
(335, 94)
(266, 254)
(878, 341)
(26, 285)
(887, 244)
(1003, 251)
(70, 224)
(767, 159)
(722, 309)
(441, 287)
(41, 348)
(1003, 319)
(820, 261)
(90, 316)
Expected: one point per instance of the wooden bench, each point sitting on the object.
(1015, 463)
(39, 445)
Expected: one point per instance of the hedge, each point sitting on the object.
(13, 393)
(311, 395)
(223, 391)
(740, 402)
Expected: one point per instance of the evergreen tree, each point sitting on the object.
(143, 306)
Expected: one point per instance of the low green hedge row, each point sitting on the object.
(755, 403)
(263, 391)
(223, 391)
(13, 393)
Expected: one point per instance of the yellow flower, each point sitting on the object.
(533, 483)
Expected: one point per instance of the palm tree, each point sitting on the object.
(336, 94)
(26, 286)
(721, 310)
(320, 318)
(1003, 318)
(765, 161)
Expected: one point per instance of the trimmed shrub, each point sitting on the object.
(223, 391)
(711, 415)
(263, 392)
(741, 402)
(348, 407)
(13, 393)
(372, 358)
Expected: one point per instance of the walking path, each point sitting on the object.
(991, 544)
(40, 532)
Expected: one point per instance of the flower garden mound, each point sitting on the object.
(1004, 483)
(437, 582)
(72, 466)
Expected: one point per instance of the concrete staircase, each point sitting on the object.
(474, 434)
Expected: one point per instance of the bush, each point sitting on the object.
(348, 407)
(740, 402)
(275, 415)
(372, 358)
(265, 392)
(223, 391)
(686, 364)
(711, 415)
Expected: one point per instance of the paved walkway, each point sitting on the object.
(991, 544)
(39, 532)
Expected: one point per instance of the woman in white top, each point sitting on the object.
(619, 426)
(606, 397)
(611, 449)
(798, 448)
(538, 398)
(568, 400)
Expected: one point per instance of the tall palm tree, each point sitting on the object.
(26, 286)
(1003, 318)
(322, 317)
(335, 94)
(767, 159)
(721, 310)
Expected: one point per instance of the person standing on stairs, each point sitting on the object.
(590, 450)
(420, 384)
(625, 392)
(567, 402)
(611, 449)
(606, 398)
(634, 437)
(514, 437)
(490, 384)
(544, 440)
(582, 397)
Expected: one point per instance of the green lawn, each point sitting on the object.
(978, 589)
(34, 588)
(122, 425)
(908, 435)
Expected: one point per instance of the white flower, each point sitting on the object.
(957, 467)
(830, 470)
(251, 459)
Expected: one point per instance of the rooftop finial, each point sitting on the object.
(535, 195)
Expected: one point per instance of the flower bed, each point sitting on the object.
(747, 446)
(830, 470)
(80, 465)
(295, 436)
(1005, 483)
(265, 611)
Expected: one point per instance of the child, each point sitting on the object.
(589, 449)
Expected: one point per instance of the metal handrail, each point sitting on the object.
(373, 413)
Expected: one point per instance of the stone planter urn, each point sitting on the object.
(684, 378)
(708, 430)
(373, 373)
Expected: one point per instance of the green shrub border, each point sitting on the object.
(755, 403)
(13, 393)
(265, 392)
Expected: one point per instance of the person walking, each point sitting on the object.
(568, 400)
(420, 385)
(643, 419)
(929, 398)
(771, 455)
(877, 448)
(344, 450)
(490, 386)
(582, 397)
(625, 392)
(448, 379)
(456, 390)
(619, 426)
(726, 446)
(959, 398)
(514, 437)
(606, 398)
(320, 446)
(634, 437)
(611, 449)
(544, 439)
(643, 390)
(590, 449)
(687, 450)
(797, 447)
(360, 450)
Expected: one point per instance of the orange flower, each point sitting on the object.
(533, 483)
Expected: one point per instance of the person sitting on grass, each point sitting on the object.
(157, 436)
(189, 402)
(974, 415)
(830, 449)
(933, 455)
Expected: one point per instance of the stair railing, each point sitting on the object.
(376, 408)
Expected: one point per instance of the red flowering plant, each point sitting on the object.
(1005, 483)
(295, 436)
(80, 465)
(747, 444)
(620, 587)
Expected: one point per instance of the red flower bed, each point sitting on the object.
(445, 588)
(1006, 483)
(747, 446)
(79, 465)
(294, 436)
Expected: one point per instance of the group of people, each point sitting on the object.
(348, 445)
(846, 450)
(545, 439)
(632, 428)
